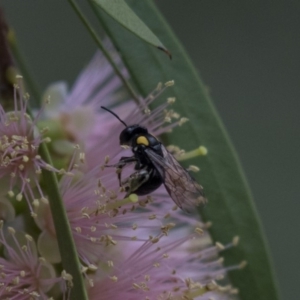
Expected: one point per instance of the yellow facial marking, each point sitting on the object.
(141, 140)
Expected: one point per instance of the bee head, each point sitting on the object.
(130, 132)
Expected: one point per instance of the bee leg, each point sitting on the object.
(121, 164)
(135, 181)
(124, 160)
(119, 172)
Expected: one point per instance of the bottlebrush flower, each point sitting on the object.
(137, 249)
(19, 144)
(164, 270)
(76, 111)
(100, 218)
(23, 274)
(97, 216)
(117, 238)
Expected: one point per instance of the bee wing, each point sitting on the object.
(182, 188)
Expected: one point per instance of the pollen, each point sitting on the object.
(110, 263)
(159, 86)
(193, 168)
(220, 246)
(243, 264)
(92, 267)
(19, 197)
(171, 100)
(152, 217)
(82, 157)
(66, 276)
(182, 121)
(10, 194)
(114, 278)
(199, 230)
(235, 240)
(36, 203)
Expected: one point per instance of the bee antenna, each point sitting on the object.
(114, 115)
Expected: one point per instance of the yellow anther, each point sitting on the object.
(147, 111)
(16, 280)
(198, 230)
(19, 197)
(47, 140)
(82, 157)
(202, 150)
(11, 230)
(33, 215)
(193, 168)
(182, 121)
(11, 194)
(171, 100)
(132, 198)
(91, 282)
(92, 267)
(66, 276)
(220, 246)
(36, 203)
(159, 86)
(243, 264)
(28, 237)
(235, 240)
(110, 263)
(22, 273)
(194, 153)
(169, 83)
(114, 278)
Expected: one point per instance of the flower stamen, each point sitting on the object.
(200, 151)
(133, 198)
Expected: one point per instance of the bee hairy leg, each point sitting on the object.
(135, 181)
(121, 164)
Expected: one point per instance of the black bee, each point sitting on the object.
(154, 166)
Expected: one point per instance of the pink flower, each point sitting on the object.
(132, 248)
(23, 274)
(100, 219)
(97, 218)
(77, 111)
(19, 144)
(164, 270)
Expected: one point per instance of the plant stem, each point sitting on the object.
(6, 63)
(102, 48)
(63, 231)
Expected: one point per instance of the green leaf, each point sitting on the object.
(123, 14)
(230, 206)
(63, 230)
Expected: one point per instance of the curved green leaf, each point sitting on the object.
(230, 206)
(123, 14)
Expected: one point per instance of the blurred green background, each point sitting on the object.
(248, 54)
